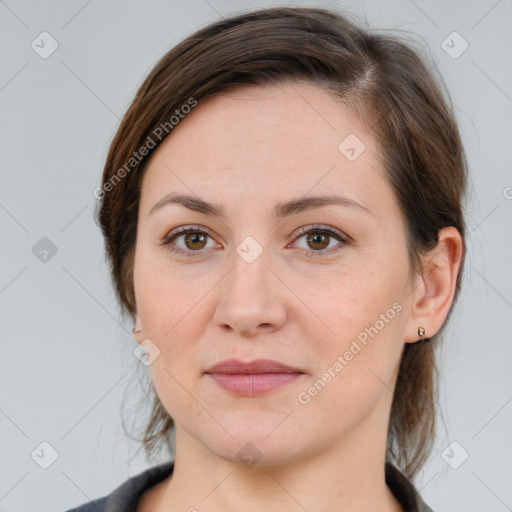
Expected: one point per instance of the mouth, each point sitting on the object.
(253, 378)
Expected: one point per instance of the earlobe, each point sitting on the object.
(136, 329)
(433, 295)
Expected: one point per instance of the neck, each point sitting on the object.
(345, 477)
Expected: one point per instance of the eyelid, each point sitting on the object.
(321, 228)
(183, 230)
(332, 232)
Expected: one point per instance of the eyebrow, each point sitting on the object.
(281, 210)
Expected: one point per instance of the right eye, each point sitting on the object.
(194, 240)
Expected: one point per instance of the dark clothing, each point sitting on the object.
(127, 495)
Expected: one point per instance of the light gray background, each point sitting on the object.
(66, 358)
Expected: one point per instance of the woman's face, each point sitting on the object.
(253, 284)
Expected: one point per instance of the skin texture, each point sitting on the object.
(246, 150)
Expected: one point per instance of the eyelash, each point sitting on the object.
(301, 232)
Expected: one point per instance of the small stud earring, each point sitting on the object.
(136, 330)
(421, 331)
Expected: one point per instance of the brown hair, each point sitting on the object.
(383, 80)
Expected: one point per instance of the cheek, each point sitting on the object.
(169, 297)
(174, 310)
(173, 317)
(347, 299)
(357, 355)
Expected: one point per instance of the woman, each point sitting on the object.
(289, 255)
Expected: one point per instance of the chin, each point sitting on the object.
(251, 445)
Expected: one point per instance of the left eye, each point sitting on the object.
(196, 239)
(319, 237)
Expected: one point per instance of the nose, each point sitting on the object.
(253, 299)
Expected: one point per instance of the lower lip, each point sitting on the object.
(253, 384)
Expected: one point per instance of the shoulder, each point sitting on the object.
(125, 497)
(404, 490)
(91, 506)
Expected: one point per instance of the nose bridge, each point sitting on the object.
(250, 298)
(249, 279)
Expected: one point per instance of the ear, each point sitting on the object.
(434, 289)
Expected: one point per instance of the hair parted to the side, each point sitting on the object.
(386, 82)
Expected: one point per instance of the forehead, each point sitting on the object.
(265, 139)
(240, 120)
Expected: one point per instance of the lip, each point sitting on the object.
(252, 378)
(231, 366)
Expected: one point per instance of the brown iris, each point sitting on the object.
(195, 238)
(315, 239)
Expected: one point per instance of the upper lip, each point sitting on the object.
(234, 366)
